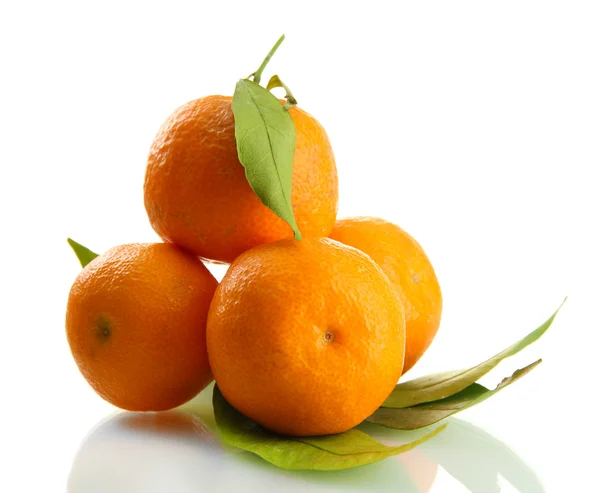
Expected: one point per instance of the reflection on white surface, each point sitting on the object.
(474, 458)
(480, 461)
(177, 451)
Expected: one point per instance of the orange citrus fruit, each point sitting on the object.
(197, 195)
(409, 269)
(136, 325)
(305, 337)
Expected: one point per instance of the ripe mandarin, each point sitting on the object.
(197, 195)
(305, 337)
(409, 269)
(136, 325)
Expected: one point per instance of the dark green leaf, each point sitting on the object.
(441, 385)
(326, 453)
(411, 418)
(85, 255)
(266, 139)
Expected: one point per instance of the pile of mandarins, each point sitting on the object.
(305, 337)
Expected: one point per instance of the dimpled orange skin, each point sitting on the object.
(305, 337)
(197, 195)
(136, 325)
(409, 269)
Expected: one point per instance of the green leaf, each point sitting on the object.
(441, 385)
(266, 139)
(411, 418)
(85, 255)
(325, 453)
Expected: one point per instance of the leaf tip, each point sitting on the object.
(551, 319)
(84, 254)
(75, 246)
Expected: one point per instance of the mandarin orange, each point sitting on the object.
(305, 337)
(408, 267)
(197, 195)
(136, 325)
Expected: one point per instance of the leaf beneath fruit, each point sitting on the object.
(441, 385)
(85, 255)
(411, 418)
(325, 453)
(266, 139)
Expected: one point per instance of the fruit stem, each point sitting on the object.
(290, 100)
(257, 75)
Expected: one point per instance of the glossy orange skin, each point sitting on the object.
(197, 196)
(305, 337)
(409, 269)
(136, 325)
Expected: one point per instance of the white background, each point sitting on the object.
(474, 125)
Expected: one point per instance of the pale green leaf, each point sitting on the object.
(441, 385)
(411, 418)
(266, 139)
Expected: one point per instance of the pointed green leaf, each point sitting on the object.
(326, 453)
(441, 385)
(411, 418)
(266, 139)
(85, 255)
